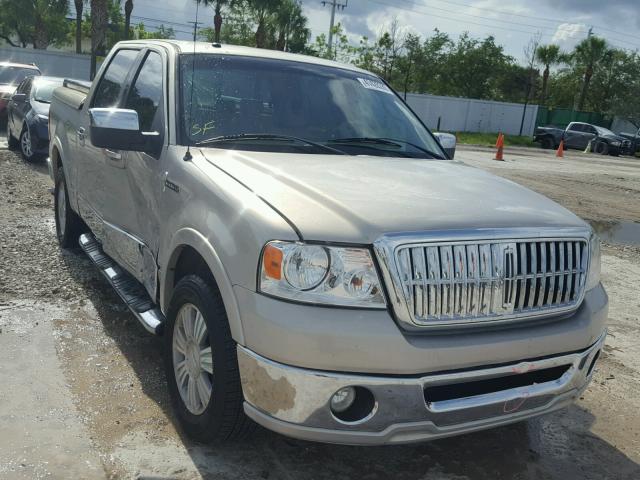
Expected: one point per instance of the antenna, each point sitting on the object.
(187, 155)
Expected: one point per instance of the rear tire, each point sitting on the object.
(547, 143)
(215, 372)
(68, 224)
(601, 148)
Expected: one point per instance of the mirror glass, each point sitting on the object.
(115, 118)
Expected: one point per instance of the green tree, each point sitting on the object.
(79, 4)
(37, 22)
(128, 9)
(291, 25)
(217, 17)
(140, 32)
(547, 55)
(587, 56)
(99, 24)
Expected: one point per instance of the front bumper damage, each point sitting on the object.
(296, 401)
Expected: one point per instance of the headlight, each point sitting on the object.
(616, 144)
(593, 277)
(340, 276)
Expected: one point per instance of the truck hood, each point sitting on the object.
(357, 199)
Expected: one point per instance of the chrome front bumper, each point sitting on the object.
(295, 401)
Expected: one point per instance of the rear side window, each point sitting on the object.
(112, 82)
(575, 127)
(145, 97)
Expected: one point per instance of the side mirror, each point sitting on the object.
(19, 97)
(447, 142)
(119, 129)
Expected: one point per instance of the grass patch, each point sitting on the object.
(489, 139)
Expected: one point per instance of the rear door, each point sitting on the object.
(19, 110)
(101, 171)
(574, 136)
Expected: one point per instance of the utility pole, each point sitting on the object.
(333, 4)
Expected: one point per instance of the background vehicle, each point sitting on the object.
(28, 116)
(577, 135)
(313, 261)
(11, 75)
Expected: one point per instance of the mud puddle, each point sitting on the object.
(621, 233)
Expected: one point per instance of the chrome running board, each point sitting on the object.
(128, 288)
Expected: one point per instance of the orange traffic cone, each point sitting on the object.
(560, 151)
(500, 147)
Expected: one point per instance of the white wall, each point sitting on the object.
(56, 64)
(469, 115)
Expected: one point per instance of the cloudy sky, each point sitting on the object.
(512, 22)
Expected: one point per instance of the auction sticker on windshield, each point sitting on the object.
(375, 85)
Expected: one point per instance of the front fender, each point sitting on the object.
(189, 237)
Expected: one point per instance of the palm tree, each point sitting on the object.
(588, 54)
(79, 6)
(290, 22)
(547, 55)
(217, 18)
(262, 10)
(128, 8)
(99, 23)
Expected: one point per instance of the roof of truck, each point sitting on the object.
(31, 66)
(183, 46)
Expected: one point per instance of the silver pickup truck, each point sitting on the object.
(312, 260)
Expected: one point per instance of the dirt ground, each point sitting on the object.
(82, 394)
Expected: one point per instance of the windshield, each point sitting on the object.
(347, 110)
(604, 131)
(15, 75)
(43, 91)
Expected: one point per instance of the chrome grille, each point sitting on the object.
(462, 282)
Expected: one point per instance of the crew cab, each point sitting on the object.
(311, 258)
(581, 136)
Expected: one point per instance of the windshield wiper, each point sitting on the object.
(267, 136)
(392, 142)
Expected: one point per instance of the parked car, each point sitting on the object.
(11, 75)
(579, 135)
(634, 139)
(28, 116)
(314, 262)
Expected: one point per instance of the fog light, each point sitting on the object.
(343, 399)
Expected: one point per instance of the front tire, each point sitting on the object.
(26, 145)
(201, 364)
(68, 223)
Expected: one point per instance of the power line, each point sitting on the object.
(546, 19)
(333, 4)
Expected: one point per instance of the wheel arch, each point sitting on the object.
(192, 253)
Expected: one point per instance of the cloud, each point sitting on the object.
(568, 35)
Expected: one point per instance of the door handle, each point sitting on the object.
(112, 155)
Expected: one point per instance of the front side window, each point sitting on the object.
(351, 111)
(146, 96)
(112, 82)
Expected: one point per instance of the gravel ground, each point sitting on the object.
(84, 397)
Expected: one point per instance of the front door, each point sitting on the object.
(139, 219)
